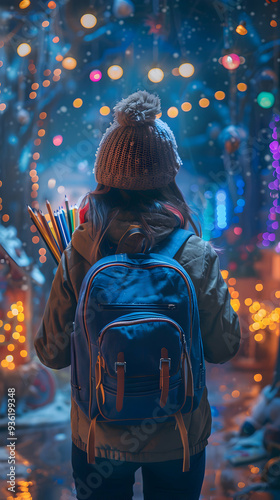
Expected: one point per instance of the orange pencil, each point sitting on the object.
(41, 231)
(50, 238)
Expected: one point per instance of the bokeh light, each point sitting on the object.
(231, 61)
(57, 140)
(115, 72)
(77, 103)
(219, 95)
(88, 21)
(186, 106)
(172, 112)
(265, 100)
(242, 87)
(23, 49)
(95, 75)
(24, 4)
(105, 110)
(69, 63)
(204, 103)
(156, 75)
(186, 70)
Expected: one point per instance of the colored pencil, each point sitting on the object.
(65, 225)
(40, 230)
(72, 218)
(76, 216)
(53, 221)
(52, 242)
(68, 216)
(61, 229)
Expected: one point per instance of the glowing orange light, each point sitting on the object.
(41, 132)
(16, 335)
(52, 5)
(77, 103)
(46, 83)
(258, 337)
(11, 347)
(2, 106)
(55, 39)
(45, 24)
(259, 287)
(242, 87)
(24, 4)
(35, 86)
(69, 63)
(21, 339)
(104, 110)
(23, 353)
(248, 302)
(257, 377)
(172, 112)
(273, 23)
(42, 115)
(5, 217)
(241, 30)
(224, 274)
(235, 394)
(4, 363)
(42, 259)
(219, 95)
(59, 57)
(9, 358)
(186, 106)
(2, 338)
(204, 103)
(35, 239)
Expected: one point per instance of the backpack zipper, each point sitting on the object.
(142, 320)
(137, 306)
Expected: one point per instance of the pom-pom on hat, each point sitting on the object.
(138, 150)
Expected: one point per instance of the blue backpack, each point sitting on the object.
(136, 349)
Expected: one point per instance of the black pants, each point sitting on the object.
(113, 480)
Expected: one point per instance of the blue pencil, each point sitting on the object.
(61, 229)
(65, 226)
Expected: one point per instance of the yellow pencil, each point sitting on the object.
(50, 238)
(41, 231)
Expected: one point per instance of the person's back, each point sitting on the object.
(135, 169)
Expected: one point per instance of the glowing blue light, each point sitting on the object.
(221, 196)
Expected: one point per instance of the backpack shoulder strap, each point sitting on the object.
(170, 245)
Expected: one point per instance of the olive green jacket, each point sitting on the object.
(150, 441)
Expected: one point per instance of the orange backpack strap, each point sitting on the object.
(91, 441)
(164, 376)
(120, 367)
(185, 440)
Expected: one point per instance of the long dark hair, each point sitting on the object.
(105, 203)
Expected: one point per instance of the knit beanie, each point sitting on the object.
(138, 151)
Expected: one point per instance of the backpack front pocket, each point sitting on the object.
(141, 340)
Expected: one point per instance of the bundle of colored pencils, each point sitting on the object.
(56, 227)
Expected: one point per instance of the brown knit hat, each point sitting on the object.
(138, 150)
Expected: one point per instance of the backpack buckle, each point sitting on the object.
(120, 363)
(165, 360)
